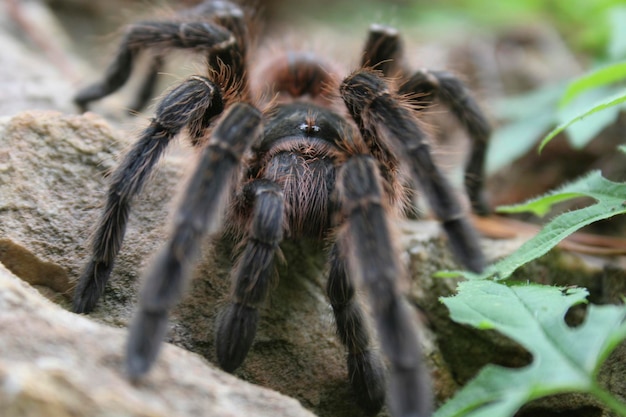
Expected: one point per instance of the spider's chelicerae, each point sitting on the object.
(299, 153)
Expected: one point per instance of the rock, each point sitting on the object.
(38, 69)
(57, 364)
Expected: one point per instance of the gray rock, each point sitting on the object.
(55, 363)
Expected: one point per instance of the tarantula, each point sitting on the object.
(310, 155)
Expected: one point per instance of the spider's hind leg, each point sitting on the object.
(146, 90)
(425, 86)
(383, 50)
(198, 214)
(252, 275)
(214, 32)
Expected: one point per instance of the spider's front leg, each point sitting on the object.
(373, 262)
(385, 122)
(366, 370)
(194, 104)
(198, 214)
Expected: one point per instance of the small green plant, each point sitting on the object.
(565, 359)
(597, 97)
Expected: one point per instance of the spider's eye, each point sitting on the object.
(309, 128)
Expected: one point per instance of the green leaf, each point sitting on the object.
(564, 359)
(617, 44)
(610, 200)
(604, 104)
(598, 78)
(542, 205)
(580, 134)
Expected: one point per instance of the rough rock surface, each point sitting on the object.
(57, 364)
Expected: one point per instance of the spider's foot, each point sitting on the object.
(144, 342)
(367, 375)
(235, 333)
(90, 286)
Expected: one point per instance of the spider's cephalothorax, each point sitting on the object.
(322, 157)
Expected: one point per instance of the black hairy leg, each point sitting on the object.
(193, 104)
(212, 30)
(380, 114)
(199, 213)
(383, 52)
(423, 87)
(373, 261)
(366, 370)
(148, 86)
(252, 274)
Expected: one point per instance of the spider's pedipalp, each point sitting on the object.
(195, 102)
(423, 87)
(373, 261)
(199, 213)
(380, 115)
(252, 275)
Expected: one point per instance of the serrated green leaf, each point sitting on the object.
(540, 206)
(580, 134)
(610, 201)
(564, 359)
(601, 77)
(604, 104)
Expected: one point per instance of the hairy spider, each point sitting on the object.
(301, 154)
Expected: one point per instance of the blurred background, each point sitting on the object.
(518, 56)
